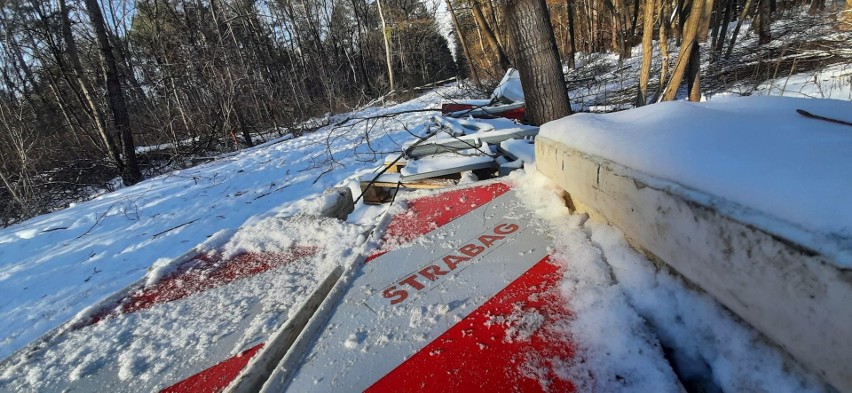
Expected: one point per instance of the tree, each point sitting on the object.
(687, 59)
(386, 37)
(537, 60)
(130, 173)
(647, 49)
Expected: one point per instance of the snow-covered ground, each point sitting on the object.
(612, 287)
(55, 266)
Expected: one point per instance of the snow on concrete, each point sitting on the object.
(781, 171)
(613, 289)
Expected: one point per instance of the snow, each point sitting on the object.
(523, 149)
(832, 82)
(783, 172)
(509, 87)
(153, 346)
(639, 328)
(612, 289)
(474, 158)
(54, 266)
(704, 334)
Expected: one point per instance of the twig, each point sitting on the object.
(823, 118)
(173, 228)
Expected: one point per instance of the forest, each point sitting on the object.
(97, 90)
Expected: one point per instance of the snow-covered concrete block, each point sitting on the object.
(785, 272)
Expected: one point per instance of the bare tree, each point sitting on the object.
(130, 172)
(688, 56)
(647, 51)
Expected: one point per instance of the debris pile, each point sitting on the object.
(473, 139)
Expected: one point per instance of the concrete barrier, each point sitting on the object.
(797, 297)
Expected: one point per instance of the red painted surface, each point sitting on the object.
(200, 274)
(480, 353)
(429, 213)
(450, 107)
(515, 114)
(216, 378)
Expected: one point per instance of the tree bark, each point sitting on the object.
(706, 18)
(115, 96)
(736, 31)
(572, 53)
(486, 31)
(466, 52)
(763, 21)
(537, 60)
(721, 29)
(664, 11)
(647, 49)
(386, 37)
(88, 98)
(690, 35)
(816, 7)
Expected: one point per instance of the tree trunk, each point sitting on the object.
(647, 49)
(693, 73)
(690, 35)
(466, 52)
(537, 59)
(386, 36)
(115, 97)
(486, 31)
(721, 29)
(88, 98)
(706, 17)
(569, 5)
(763, 21)
(816, 7)
(736, 31)
(664, 46)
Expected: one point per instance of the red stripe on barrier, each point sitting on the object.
(200, 274)
(216, 378)
(448, 108)
(428, 213)
(510, 343)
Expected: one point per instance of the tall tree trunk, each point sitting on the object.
(816, 7)
(486, 31)
(647, 49)
(386, 37)
(763, 21)
(706, 17)
(693, 73)
(465, 51)
(572, 53)
(88, 96)
(635, 19)
(736, 31)
(690, 35)
(664, 46)
(115, 97)
(721, 29)
(537, 59)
